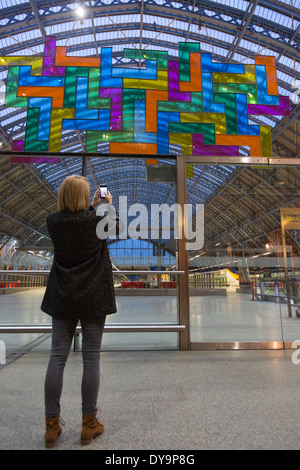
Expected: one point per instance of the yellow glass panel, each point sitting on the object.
(160, 84)
(266, 141)
(247, 77)
(57, 116)
(35, 62)
(185, 140)
(189, 171)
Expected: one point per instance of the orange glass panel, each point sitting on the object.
(151, 161)
(152, 96)
(270, 63)
(148, 149)
(251, 141)
(57, 93)
(62, 59)
(195, 84)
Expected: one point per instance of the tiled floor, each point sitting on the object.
(170, 400)
(161, 399)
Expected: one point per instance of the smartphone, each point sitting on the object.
(103, 191)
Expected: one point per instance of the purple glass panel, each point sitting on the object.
(220, 150)
(18, 145)
(22, 159)
(49, 67)
(115, 94)
(174, 91)
(283, 109)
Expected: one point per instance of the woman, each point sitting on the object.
(80, 287)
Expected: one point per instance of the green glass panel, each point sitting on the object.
(207, 129)
(195, 106)
(93, 137)
(161, 57)
(184, 59)
(230, 110)
(11, 98)
(249, 90)
(129, 95)
(31, 141)
(70, 84)
(94, 100)
(196, 99)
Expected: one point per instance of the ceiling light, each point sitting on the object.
(80, 12)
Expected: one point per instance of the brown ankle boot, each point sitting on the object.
(91, 428)
(53, 430)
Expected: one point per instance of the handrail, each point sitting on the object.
(109, 328)
(173, 273)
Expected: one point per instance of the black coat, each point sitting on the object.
(80, 283)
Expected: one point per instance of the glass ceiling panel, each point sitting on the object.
(275, 17)
(10, 3)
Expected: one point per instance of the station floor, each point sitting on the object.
(155, 398)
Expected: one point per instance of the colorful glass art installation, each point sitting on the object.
(201, 106)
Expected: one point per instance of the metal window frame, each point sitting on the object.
(183, 327)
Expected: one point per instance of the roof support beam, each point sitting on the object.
(24, 225)
(37, 18)
(240, 34)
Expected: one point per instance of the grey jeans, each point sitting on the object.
(62, 335)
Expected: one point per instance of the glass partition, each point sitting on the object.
(143, 257)
(148, 297)
(244, 281)
(236, 287)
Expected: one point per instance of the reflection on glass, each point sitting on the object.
(245, 282)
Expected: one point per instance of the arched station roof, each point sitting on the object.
(241, 204)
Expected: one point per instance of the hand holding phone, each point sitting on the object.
(103, 191)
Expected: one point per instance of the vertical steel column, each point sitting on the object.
(183, 256)
(286, 271)
(84, 166)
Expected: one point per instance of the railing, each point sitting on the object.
(110, 328)
(207, 281)
(15, 279)
(277, 290)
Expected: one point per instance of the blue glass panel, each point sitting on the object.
(262, 87)
(106, 79)
(25, 79)
(81, 110)
(207, 96)
(242, 117)
(102, 124)
(208, 66)
(163, 120)
(139, 124)
(148, 73)
(45, 111)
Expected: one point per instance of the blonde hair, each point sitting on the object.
(73, 194)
